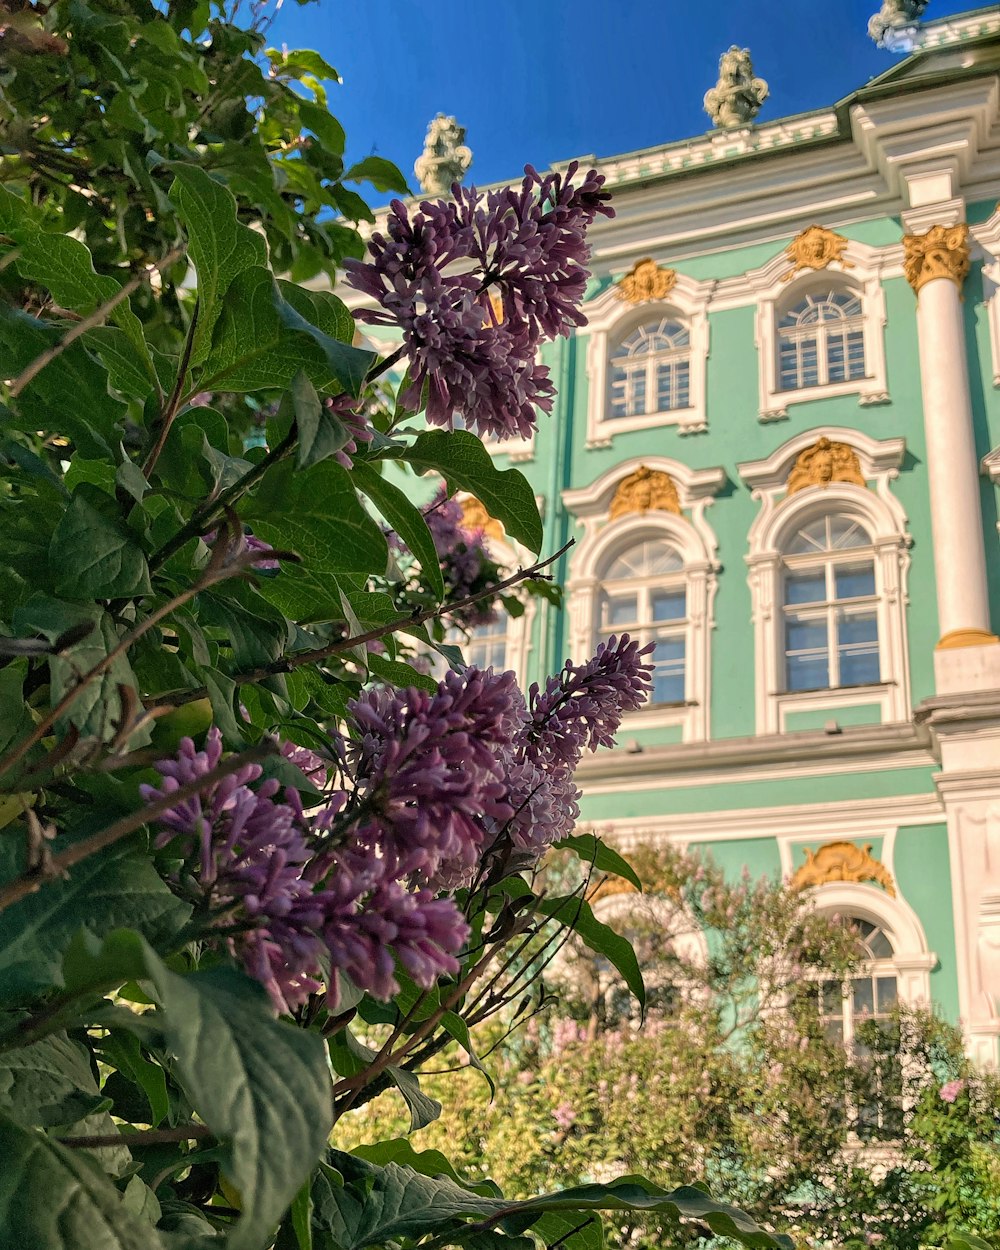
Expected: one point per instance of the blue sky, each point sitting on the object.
(544, 80)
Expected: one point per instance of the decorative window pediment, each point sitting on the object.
(828, 562)
(647, 354)
(647, 567)
(820, 322)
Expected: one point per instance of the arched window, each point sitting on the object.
(830, 605)
(644, 594)
(821, 340)
(651, 370)
(853, 1013)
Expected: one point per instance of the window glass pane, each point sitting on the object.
(621, 610)
(668, 605)
(853, 581)
(879, 945)
(886, 989)
(831, 998)
(845, 532)
(863, 996)
(858, 649)
(668, 671)
(805, 635)
(805, 587)
(807, 672)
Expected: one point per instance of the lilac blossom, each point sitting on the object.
(247, 541)
(476, 284)
(357, 423)
(950, 1091)
(429, 767)
(466, 564)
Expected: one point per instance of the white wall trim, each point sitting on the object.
(610, 319)
(883, 517)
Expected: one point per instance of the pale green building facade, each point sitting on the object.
(776, 446)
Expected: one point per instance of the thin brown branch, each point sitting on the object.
(31, 882)
(141, 1137)
(96, 318)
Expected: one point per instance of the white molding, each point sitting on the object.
(985, 239)
(697, 544)
(860, 273)
(846, 819)
(989, 466)
(609, 320)
(882, 516)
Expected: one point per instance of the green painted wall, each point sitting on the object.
(923, 877)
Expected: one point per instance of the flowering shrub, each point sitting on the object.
(256, 866)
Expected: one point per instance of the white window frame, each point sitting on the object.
(831, 609)
(780, 516)
(610, 321)
(821, 331)
(694, 540)
(775, 296)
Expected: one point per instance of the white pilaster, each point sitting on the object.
(936, 264)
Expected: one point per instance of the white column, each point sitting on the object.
(936, 264)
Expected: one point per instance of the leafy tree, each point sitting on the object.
(730, 1081)
(242, 836)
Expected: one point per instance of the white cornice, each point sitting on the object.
(693, 485)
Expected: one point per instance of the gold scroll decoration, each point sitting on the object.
(943, 252)
(643, 491)
(475, 517)
(646, 280)
(825, 462)
(842, 861)
(816, 248)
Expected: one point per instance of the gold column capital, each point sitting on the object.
(942, 252)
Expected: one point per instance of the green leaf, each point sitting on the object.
(97, 707)
(301, 1214)
(967, 1241)
(426, 1162)
(576, 914)
(590, 848)
(261, 1085)
(324, 126)
(257, 1082)
(382, 174)
(320, 431)
(317, 514)
(396, 673)
(104, 892)
(268, 331)
(378, 1205)
(406, 519)
(49, 1084)
(94, 558)
(52, 1198)
(65, 267)
(302, 61)
(91, 420)
(466, 465)
(350, 1056)
(220, 245)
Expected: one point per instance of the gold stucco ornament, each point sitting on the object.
(646, 280)
(842, 861)
(645, 490)
(943, 252)
(475, 517)
(816, 248)
(825, 462)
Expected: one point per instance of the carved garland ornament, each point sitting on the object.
(643, 490)
(943, 252)
(475, 517)
(816, 248)
(842, 861)
(825, 462)
(646, 280)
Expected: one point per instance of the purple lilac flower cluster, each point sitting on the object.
(441, 784)
(357, 423)
(466, 563)
(476, 284)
